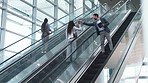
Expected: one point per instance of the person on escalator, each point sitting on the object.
(45, 34)
(101, 25)
(71, 34)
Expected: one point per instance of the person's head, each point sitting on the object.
(45, 20)
(70, 26)
(44, 24)
(95, 16)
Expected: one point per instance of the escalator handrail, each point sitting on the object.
(69, 44)
(40, 29)
(39, 40)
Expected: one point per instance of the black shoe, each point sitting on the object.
(109, 52)
(102, 53)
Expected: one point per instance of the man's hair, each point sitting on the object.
(96, 15)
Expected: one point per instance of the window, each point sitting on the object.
(20, 8)
(18, 25)
(41, 16)
(64, 5)
(46, 7)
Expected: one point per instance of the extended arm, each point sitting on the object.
(76, 28)
(89, 24)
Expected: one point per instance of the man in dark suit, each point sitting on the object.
(102, 29)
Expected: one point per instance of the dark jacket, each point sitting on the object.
(104, 21)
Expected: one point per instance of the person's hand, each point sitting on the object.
(80, 21)
(103, 24)
(49, 32)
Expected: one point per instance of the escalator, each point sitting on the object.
(66, 69)
(55, 71)
(25, 64)
(98, 64)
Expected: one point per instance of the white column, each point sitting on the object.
(34, 15)
(2, 31)
(71, 9)
(56, 13)
(145, 20)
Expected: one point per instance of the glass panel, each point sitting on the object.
(60, 13)
(20, 8)
(88, 3)
(19, 46)
(7, 54)
(41, 16)
(59, 24)
(29, 1)
(18, 25)
(39, 33)
(64, 5)
(46, 7)
(13, 38)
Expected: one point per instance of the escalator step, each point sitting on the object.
(102, 56)
(96, 66)
(92, 71)
(84, 81)
(88, 77)
(100, 61)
